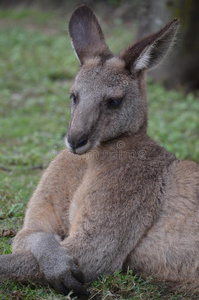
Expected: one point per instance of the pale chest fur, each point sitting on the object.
(75, 205)
(115, 192)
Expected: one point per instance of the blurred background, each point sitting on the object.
(181, 69)
(37, 68)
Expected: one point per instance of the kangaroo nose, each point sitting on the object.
(81, 142)
(78, 142)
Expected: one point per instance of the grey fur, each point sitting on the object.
(126, 202)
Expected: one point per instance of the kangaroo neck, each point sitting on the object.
(119, 150)
(132, 149)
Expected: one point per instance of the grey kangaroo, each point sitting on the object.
(125, 202)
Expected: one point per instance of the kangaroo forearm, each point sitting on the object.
(34, 223)
(29, 240)
(95, 257)
(50, 202)
(41, 244)
(23, 240)
(20, 267)
(59, 268)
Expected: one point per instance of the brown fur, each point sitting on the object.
(126, 202)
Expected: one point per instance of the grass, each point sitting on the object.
(37, 66)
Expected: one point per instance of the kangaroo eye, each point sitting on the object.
(114, 103)
(73, 98)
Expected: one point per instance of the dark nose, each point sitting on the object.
(77, 142)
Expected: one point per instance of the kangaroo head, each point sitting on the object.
(108, 95)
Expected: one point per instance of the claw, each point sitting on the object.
(75, 286)
(78, 275)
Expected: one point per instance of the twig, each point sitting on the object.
(39, 167)
(5, 169)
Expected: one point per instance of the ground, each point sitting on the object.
(37, 67)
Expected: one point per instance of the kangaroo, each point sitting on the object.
(114, 199)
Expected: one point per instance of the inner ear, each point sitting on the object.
(86, 35)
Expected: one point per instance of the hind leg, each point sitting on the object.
(170, 249)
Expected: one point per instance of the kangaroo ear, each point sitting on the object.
(86, 35)
(147, 53)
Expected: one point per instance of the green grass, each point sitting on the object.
(36, 71)
(25, 14)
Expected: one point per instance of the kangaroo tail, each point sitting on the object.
(21, 267)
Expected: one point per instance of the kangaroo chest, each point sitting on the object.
(111, 196)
